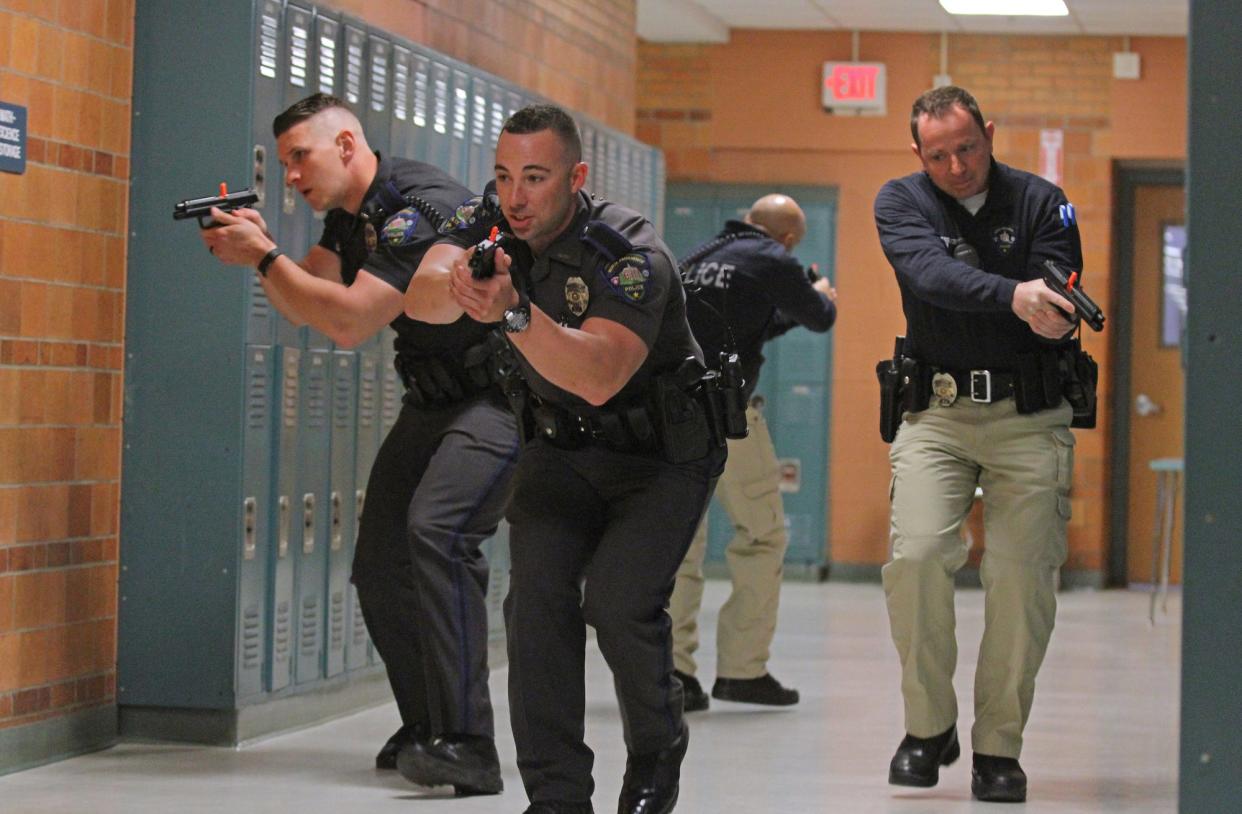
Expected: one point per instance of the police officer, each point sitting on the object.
(440, 481)
(967, 238)
(618, 465)
(746, 287)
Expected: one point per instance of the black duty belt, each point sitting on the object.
(981, 385)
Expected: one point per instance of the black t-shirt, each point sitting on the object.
(959, 316)
(574, 280)
(751, 282)
(390, 235)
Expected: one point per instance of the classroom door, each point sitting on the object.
(1157, 377)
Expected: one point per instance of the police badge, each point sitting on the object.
(577, 296)
(944, 389)
(368, 232)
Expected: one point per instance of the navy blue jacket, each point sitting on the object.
(958, 316)
(755, 285)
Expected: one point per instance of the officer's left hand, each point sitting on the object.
(238, 241)
(483, 300)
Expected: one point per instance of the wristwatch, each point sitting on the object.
(517, 317)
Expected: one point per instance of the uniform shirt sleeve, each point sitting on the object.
(473, 219)
(1055, 236)
(633, 291)
(398, 252)
(332, 232)
(923, 262)
(796, 300)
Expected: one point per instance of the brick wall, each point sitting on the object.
(690, 104)
(578, 53)
(62, 271)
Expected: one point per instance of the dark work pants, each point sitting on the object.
(595, 538)
(437, 490)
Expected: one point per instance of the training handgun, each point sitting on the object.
(226, 202)
(1065, 285)
(483, 261)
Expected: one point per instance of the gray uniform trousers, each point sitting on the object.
(437, 490)
(1024, 464)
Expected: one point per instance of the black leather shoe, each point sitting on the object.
(918, 760)
(997, 779)
(559, 808)
(387, 757)
(762, 690)
(693, 697)
(467, 762)
(652, 780)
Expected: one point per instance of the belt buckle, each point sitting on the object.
(981, 379)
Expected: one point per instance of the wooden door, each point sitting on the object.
(1157, 378)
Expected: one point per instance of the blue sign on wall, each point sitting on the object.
(12, 138)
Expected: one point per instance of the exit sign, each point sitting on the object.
(854, 87)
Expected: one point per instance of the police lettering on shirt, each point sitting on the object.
(711, 274)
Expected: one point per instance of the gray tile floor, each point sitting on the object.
(1102, 736)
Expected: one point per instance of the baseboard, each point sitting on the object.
(52, 739)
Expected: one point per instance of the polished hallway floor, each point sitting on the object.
(1102, 736)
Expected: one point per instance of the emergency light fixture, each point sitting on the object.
(1007, 8)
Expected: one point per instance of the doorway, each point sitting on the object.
(1149, 372)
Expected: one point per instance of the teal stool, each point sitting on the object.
(1168, 483)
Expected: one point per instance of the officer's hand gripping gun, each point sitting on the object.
(226, 202)
(1064, 284)
(483, 261)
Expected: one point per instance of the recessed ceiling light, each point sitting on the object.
(1007, 8)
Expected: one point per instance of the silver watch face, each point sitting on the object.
(517, 319)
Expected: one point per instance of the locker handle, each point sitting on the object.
(308, 523)
(260, 174)
(336, 521)
(282, 546)
(249, 519)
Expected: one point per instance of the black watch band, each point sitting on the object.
(517, 318)
(267, 261)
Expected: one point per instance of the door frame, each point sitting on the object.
(1127, 177)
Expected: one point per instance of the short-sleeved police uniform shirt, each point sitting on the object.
(573, 281)
(390, 235)
(745, 279)
(959, 316)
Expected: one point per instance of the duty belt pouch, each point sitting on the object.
(888, 371)
(1081, 374)
(915, 385)
(1038, 383)
(680, 422)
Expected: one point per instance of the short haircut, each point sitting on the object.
(537, 118)
(939, 101)
(299, 112)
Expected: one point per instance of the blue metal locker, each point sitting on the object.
(261, 316)
(358, 647)
(341, 504)
(255, 520)
(287, 534)
(327, 54)
(311, 510)
(422, 111)
(401, 129)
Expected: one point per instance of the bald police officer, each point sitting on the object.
(747, 288)
(985, 343)
(619, 462)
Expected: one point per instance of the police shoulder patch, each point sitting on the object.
(480, 208)
(629, 275)
(399, 229)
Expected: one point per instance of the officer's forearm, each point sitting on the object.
(322, 304)
(593, 362)
(428, 298)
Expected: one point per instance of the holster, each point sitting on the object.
(1050, 375)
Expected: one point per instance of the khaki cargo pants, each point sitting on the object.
(1024, 464)
(749, 490)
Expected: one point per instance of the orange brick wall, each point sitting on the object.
(62, 272)
(748, 111)
(578, 53)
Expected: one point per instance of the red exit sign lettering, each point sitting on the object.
(854, 87)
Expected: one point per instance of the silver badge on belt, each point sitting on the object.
(944, 388)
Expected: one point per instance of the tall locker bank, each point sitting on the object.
(248, 440)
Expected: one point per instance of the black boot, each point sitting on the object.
(387, 757)
(997, 779)
(764, 690)
(467, 762)
(693, 697)
(918, 760)
(652, 780)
